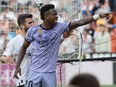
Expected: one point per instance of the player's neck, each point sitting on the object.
(23, 34)
(47, 25)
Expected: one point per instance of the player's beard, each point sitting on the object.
(26, 29)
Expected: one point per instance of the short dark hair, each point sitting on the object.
(45, 8)
(84, 80)
(102, 2)
(22, 17)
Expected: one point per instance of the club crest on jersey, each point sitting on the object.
(39, 32)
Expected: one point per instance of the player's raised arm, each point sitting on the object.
(87, 20)
(20, 58)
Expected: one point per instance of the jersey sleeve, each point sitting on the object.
(29, 34)
(65, 26)
(9, 49)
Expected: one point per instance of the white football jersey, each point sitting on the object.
(12, 49)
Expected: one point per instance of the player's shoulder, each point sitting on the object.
(14, 39)
(62, 22)
(33, 28)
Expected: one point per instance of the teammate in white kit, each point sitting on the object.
(45, 40)
(13, 47)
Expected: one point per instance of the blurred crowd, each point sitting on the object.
(99, 36)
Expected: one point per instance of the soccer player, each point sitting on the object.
(45, 40)
(13, 47)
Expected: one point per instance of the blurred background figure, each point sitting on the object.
(102, 37)
(103, 6)
(87, 42)
(84, 80)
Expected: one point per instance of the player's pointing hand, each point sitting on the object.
(106, 15)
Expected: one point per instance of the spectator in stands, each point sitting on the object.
(102, 37)
(87, 8)
(87, 42)
(103, 7)
(113, 40)
(84, 80)
(7, 14)
(2, 41)
(112, 4)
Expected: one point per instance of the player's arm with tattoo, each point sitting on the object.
(87, 20)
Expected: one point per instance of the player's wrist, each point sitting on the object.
(96, 16)
(17, 65)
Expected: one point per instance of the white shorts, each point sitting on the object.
(40, 79)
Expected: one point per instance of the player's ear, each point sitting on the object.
(22, 26)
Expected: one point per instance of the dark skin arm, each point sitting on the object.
(66, 35)
(85, 21)
(81, 22)
(20, 58)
